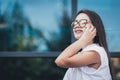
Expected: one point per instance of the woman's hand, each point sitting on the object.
(88, 35)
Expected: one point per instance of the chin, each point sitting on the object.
(77, 37)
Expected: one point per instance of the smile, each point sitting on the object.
(78, 31)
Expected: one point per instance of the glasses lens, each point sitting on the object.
(83, 23)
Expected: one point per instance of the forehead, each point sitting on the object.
(82, 16)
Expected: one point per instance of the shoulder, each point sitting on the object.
(95, 48)
(94, 51)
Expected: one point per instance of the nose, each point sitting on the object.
(77, 26)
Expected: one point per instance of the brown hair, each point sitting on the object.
(100, 38)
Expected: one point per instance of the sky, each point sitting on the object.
(109, 12)
(43, 13)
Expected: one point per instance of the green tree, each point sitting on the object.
(64, 24)
(5, 33)
(18, 20)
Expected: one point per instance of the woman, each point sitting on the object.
(88, 57)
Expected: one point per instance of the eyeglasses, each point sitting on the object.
(82, 23)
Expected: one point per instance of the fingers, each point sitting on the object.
(93, 31)
(88, 34)
(90, 30)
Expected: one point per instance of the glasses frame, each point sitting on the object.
(80, 24)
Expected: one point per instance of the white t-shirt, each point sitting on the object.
(89, 73)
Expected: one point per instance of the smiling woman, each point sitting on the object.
(93, 62)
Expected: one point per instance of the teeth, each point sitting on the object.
(78, 31)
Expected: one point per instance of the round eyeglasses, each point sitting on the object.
(82, 23)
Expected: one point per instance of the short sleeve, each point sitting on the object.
(100, 50)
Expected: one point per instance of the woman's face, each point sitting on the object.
(81, 21)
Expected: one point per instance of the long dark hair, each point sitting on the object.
(100, 38)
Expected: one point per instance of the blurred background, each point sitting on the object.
(40, 25)
(44, 27)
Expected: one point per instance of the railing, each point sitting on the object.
(40, 54)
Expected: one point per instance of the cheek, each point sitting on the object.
(76, 36)
(73, 31)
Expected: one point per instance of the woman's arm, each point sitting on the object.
(70, 58)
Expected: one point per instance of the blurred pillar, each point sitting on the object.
(74, 11)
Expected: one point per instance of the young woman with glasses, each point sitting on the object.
(88, 57)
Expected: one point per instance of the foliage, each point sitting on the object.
(14, 22)
(30, 69)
